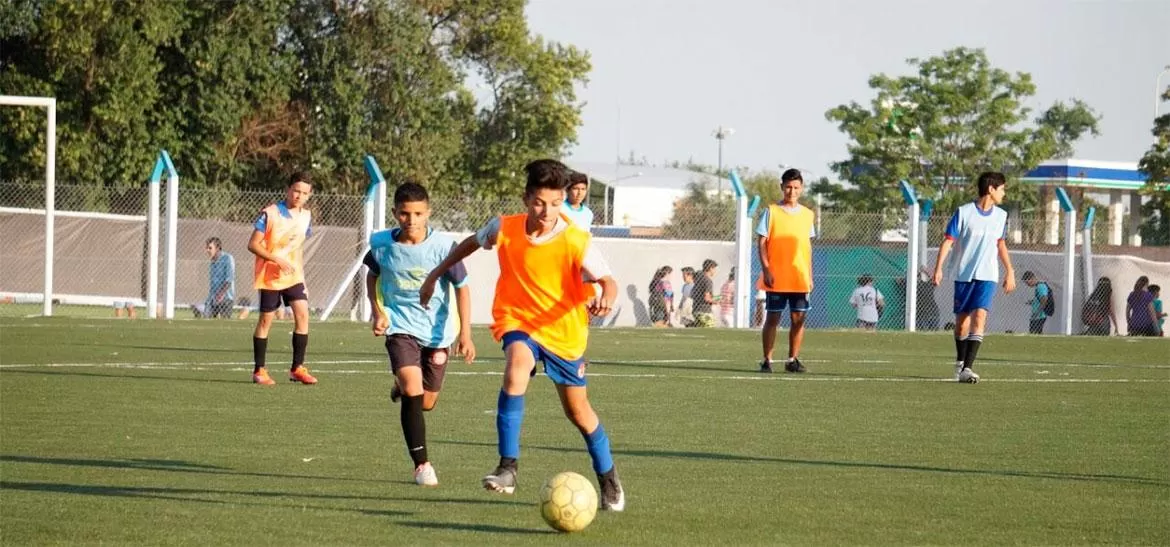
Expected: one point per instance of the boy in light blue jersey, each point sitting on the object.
(575, 194)
(417, 338)
(978, 229)
(221, 275)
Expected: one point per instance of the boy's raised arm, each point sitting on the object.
(457, 254)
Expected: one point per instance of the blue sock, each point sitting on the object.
(509, 415)
(598, 445)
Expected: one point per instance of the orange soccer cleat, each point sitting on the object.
(301, 374)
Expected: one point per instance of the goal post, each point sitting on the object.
(50, 104)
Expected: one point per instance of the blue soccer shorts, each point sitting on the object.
(775, 302)
(973, 295)
(563, 372)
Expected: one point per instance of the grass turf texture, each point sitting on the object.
(150, 433)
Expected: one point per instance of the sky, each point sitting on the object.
(667, 73)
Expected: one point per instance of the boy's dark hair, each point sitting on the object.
(865, 279)
(576, 178)
(214, 241)
(1154, 289)
(1028, 276)
(300, 176)
(410, 191)
(791, 175)
(709, 265)
(687, 270)
(545, 175)
(989, 180)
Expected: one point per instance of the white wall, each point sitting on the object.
(633, 262)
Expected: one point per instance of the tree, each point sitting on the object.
(242, 93)
(702, 215)
(940, 127)
(98, 59)
(1155, 164)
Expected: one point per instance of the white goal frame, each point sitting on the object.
(49, 103)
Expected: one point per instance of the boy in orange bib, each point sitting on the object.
(541, 313)
(278, 242)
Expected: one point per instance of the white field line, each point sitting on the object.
(600, 362)
(240, 367)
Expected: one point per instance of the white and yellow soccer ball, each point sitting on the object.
(568, 502)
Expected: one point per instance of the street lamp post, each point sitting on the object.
(1158, 91)
(720, 133)
(608, 187)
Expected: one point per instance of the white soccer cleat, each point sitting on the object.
(968, 376)
(424, 475)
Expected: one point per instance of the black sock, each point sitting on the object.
(414, 428)
(960, 348)
(508, 463)
(259, 351)
(973, 342)
(299, 343)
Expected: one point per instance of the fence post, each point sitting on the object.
(375, 219)
(1087, 280)
(1070, 219)
(172, 232)
(743, 241)
(152, 222)
(911, 200)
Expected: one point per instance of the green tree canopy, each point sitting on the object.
(939, 127)
(242, 93)
(1155, 229)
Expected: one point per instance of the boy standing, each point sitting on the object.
(221, 276)
(978, 228)
(576, 193)
(1156, 292)
(417, 337)
(785, 235)
(869, 303)
(703, 295)
(540, 314)
(278, 242)
(1039, 302)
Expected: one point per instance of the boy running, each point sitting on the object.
(278, 242)
(417, 337)
(541, 313)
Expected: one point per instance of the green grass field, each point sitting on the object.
(149, 432)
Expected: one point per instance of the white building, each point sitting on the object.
(642, 196)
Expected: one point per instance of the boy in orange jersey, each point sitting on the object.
(541, 313)
(278, 243)
(786, 230)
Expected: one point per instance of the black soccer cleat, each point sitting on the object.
(766, 367)
(793, 365)
(613, 497)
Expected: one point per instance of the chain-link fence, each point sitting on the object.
(101, 254)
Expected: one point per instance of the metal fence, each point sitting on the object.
(100, 250)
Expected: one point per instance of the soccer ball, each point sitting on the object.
(568, 502)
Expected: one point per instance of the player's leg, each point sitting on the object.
(964, 291)
(406, 364)
(520, 353)
(269, 302)
(569, 377)
(434, 370)
(296, 298)
(773, 307)
(798, 309)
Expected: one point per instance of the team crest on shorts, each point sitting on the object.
(581, 369)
